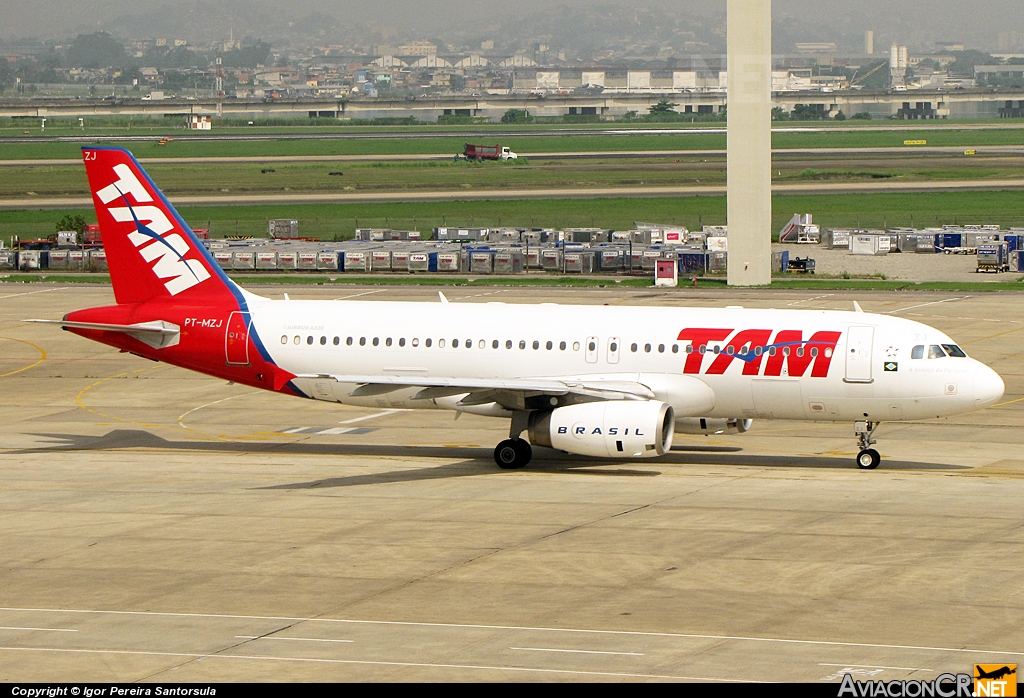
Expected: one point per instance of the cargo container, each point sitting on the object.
(993, 256)
(509, 262)
(283, 229)
(869, 244)
(481, 262)
(717, 243)
(287, 260)
(399, 260)
(307, 261)
(380, 260)
(8, 259)
(449, 261)
(579, 262)
(223, 258)
(718, 261)
(356, 261)
(551, 259)
(691, 263)
(780, 262)
(926, 243)
(1017, 261)
(266, 260)
(91, 235)
(76, 260)
(649, 260)
(243, 260)
(837, 238)
(98, 260)
(59, 260)
(32, 260)
(420, 261)
(610, 260)
(327, 260)
(1013, 241)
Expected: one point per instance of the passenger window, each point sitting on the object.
(428, 342)
(297, 339)
(689, 348)
(575, 346)
(323, 341)
(675, 348)
(401, 342)
(917, 352)
(633, 347)
(729, 350)
(549, 346)
(758, 351)
(309, 339)
(661, 348)
(362, 341)
(440, 343)
(387, 342)
(561, 346)
(814, 351)
(799, 351)
(337, 341)
(494, 344)
(647, 348)
(416, 342)
(469, 343)
(536, 344)
(455, 343)
(954, 351)
(348, 341)
(376, 341)
(772, 351)
(284, 339)
(613, 348)
(522, 343)
(935, 352)
(592, 346)
(508, 343)
(785, 351)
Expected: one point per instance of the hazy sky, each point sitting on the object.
(959, 18)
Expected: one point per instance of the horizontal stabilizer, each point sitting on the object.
(156, 333)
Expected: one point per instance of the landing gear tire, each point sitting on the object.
(512, 454)
(868, 459)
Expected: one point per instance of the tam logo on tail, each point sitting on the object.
(127, 200)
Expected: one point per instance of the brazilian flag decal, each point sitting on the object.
(891, 366)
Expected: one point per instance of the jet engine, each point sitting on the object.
(693, 425)
(607, 429)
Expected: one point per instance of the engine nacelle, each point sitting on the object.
(693, 425)
(607, 429)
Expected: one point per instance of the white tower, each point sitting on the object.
(749, 153)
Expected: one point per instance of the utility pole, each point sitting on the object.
(220, 84)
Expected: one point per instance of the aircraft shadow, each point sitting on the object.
(476, 461)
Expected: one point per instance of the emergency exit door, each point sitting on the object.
(236, 339)
(858, 354)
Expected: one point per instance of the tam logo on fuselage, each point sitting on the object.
(787, 353)
(165, 253)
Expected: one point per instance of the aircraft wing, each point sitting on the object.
(509, 393)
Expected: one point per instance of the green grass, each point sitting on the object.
(573, 140)
(338, 221)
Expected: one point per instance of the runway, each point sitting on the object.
(163, 526)
(647, 192)
(900, 151)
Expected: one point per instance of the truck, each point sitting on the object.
(488, 152)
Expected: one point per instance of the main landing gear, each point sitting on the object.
(514, 453)
(868, 458)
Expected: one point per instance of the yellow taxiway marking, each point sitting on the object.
(42, 356)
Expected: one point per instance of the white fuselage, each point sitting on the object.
(819, 365)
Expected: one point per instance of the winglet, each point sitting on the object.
(856, 306)
(441, 296)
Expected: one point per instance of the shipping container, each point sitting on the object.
(399, 260)
(420, 261)
(76, 260)
(283, 229)
(449, 261)
(380, 260)
(307, 261)
(610, 260)
(287, 260)
(327, 260)
(551, 259)
(509, 262)
(926, 243)
(993, 256)
(8, 259)
(718, 261)
(59, 260)
(691, 263)
(579, 262)
(98, 260)
(717, 243)
(356, 261)
(869, 244)
(837, 238)
(481, 262)
(223, 258)
(32, 260)
(266, 260)
(243, 260)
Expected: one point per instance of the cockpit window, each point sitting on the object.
(935, 352)
(954, 351)
(917, 352)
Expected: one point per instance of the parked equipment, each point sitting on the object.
(488, 152)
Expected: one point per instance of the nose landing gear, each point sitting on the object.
(868, 458)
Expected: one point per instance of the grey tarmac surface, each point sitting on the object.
(159, 525)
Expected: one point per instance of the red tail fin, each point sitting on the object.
(152, 253)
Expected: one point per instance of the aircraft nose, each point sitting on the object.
(988, 386)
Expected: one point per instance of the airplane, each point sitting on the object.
(599, 381)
